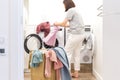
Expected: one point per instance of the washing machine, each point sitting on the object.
(32, 44)
(86, 54)
(60, 39)
(60, 36)
(88, 48)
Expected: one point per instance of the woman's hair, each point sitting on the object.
(68, 4)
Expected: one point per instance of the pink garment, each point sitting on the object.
(43, 27)
(50, 39)
(50, 56)
(57, 66)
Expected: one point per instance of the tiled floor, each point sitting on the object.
(82, 76)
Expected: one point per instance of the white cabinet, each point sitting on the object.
(111, 6)
(111, 47)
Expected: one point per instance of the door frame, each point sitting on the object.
(16, 49)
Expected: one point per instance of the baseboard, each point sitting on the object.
(97, 75)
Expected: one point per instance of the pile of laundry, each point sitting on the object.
(57, 56)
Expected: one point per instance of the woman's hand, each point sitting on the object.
(56, 24)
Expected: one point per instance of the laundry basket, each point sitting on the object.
(38, 72)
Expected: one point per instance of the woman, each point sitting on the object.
(76, 37)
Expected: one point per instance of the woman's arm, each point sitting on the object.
(64, 23)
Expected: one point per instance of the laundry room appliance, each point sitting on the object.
(32, 43)
(60, 36)
(31, 29)
(46, 29)
(85, 54)
(88, 28)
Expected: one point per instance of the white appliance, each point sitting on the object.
(88, 28)
(60, 37)
(85, 55)
(33, 43)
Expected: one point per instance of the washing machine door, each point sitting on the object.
(31, 42)
(85, 55)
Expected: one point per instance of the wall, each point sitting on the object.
(87, 9)
(16, 40)
(4, 25)
(38, 11)
(107, 67)
(98, 54)
(45, 10)
(11, 67)
(26, 11)
(111, 40)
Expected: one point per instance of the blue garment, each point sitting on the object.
(61, 54)
(36, 58)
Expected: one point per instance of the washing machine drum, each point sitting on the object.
(48, 46)
(86, 58)
(27, 39)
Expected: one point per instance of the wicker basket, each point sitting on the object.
(38, 73)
